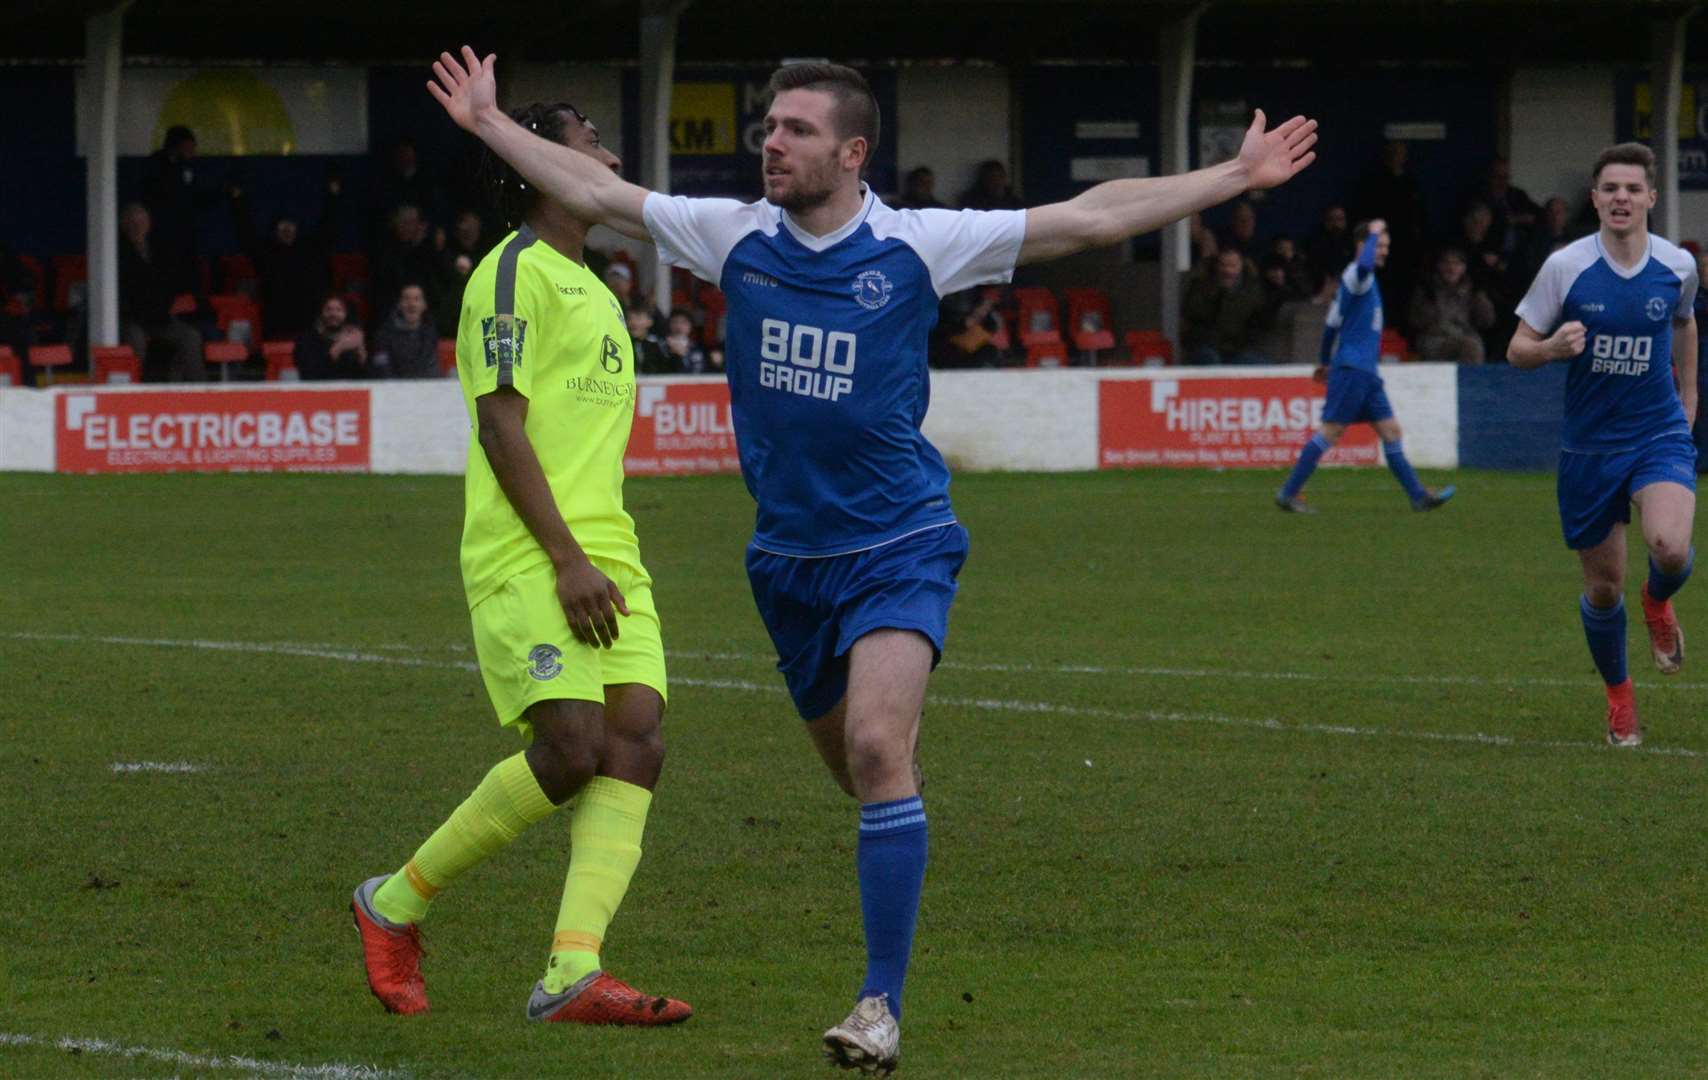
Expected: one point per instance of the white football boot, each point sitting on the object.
(869, 1040)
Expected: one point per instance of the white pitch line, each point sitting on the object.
(155, 766)
(186, 1060)
(994, 705)
(374, 654)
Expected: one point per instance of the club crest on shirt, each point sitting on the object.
(544, 662)
(872, 289)
(504, 337)
(1656, 308)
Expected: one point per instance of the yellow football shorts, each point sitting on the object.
(528, 655)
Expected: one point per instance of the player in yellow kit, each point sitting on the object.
(564, 625)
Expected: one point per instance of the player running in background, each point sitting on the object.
(832, 296)
(564, 625)
(1352, 347)
(1619, 305)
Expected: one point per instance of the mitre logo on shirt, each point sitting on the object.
(504, 337)
(753, 277)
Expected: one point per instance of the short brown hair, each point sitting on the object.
(1626, 153)
(856, 110)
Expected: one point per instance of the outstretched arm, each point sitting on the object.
(1119, 209)
(469, 93)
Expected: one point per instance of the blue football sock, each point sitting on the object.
(1605, 630)
(1306, 465)
(891, 858)
(1662, 584)
(1395, 452)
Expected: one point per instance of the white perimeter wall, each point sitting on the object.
(1029, 421)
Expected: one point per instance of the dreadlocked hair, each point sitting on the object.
(512, 196)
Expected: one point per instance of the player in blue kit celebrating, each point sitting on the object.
(856, 549)
(1352, 346)
(1619, 305)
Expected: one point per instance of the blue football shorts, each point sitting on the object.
(816, 609)
(1595, 489)
(1355, 396)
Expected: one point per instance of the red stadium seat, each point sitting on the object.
(1039, 317)
(116, 364)
(349, 271)
(237, 275)
(1047, 354)
(68, 270)
(447, 356)
(225, 354)
(49, 357)
(1089, 322)
(11, 372)
(1149, 348)
(183, 304)
(238, 316)
(1395, 347)
(34, 266)
(281, 358)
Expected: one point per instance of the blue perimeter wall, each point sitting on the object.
(1510, 419)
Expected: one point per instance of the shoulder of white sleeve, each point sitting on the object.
(700, 233)
(960, 248)
(1675, 258)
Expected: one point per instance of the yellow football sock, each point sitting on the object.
(605, 837)
(506, 802)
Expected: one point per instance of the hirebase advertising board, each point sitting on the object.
(206, 430)
(1257, 422)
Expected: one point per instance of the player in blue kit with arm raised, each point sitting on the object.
(856, 548)
(1618, 305)
(1352, 347)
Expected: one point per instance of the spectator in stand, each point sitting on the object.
(1489, 273)
(462, 249)
(1553, 231)
(651, 358)
(1301, 283)
(406, 346)
(406, 256)
(334, 347)
(967, 325)
(620, 279)
(1203, 241)
(991, 190)
(1240, 231)
(175, 201)
(294, 268)
(679, 345)
(1220, 313)
(919, 191)
(1515, 213)
(404, 183)
(1391, 194)
(18, 286)
(1449, 314)
(146, 293)
(1329, 249)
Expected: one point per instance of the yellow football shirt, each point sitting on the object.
(547, 327)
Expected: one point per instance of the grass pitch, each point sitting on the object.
(1214, 792)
